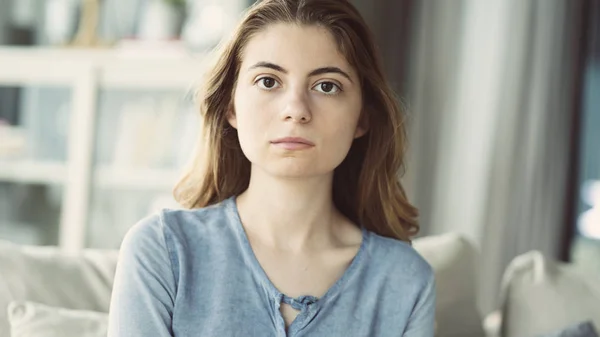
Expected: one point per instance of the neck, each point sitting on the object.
(291, 214)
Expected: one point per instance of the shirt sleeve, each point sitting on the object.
(422, 318)
(144, 289)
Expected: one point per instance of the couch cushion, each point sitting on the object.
(453, 260)
(49, 276)
(30, 319)
(540, 296)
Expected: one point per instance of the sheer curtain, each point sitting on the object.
(528, 179)
(490, 89)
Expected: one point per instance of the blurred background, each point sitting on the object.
(503, 97)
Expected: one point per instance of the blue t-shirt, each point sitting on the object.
(193, 273)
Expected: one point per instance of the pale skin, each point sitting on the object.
(303, 243)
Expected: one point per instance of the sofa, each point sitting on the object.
(46, 293)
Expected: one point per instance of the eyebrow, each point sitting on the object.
(318, 71)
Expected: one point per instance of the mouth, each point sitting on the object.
(293, 143)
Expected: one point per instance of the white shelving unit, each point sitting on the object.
(33, 172)
(113, 177)
(86, 72)
(54, 173)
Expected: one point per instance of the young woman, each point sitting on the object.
(296, 224)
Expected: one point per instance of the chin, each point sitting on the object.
(295, 170)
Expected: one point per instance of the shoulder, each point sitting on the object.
(409, 281)
(399, 261)
(171, 227)
(146, 232)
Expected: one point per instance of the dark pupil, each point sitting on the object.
(269, 82)
(327, 87)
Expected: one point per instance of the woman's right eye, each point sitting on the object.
(267, 83)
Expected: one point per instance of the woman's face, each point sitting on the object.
(297, 102)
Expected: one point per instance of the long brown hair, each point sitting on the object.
(366, 186)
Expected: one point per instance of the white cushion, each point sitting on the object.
(453, 260)
(29, 319)
(540, 296)
(47, 275)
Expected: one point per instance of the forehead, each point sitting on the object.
(294, 47)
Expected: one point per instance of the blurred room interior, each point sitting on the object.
(97, 119)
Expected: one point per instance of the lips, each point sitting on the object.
(297, 140)
(293, 143)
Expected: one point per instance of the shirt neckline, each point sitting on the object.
(262, 275)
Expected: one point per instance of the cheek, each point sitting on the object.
(339, 133)
(342, 121)
(251, 124)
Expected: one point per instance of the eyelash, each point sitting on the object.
(339, 87)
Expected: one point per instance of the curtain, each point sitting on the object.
(489, 88)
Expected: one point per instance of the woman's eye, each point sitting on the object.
(267, 83)
(328, 88)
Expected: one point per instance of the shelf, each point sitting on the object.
(33, 172)
(54, 173)
(87, 72)
(115, 68)
(136, 179)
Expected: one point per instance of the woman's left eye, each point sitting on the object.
(328, 88)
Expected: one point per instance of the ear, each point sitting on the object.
(363, 125)
(360, 131)
(231, 118)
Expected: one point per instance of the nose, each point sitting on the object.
(297, 108)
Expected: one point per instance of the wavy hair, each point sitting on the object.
(366, 185)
